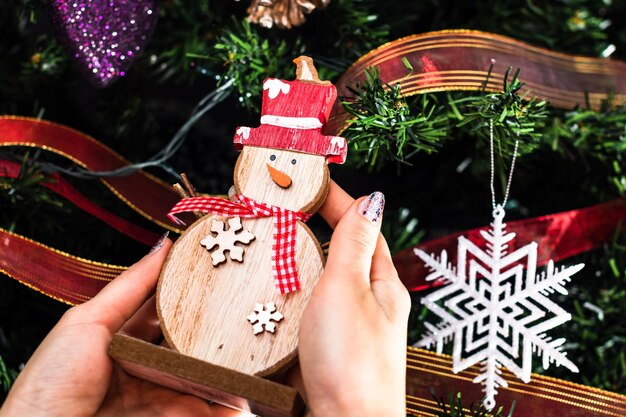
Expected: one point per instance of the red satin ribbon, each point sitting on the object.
(559, 236)
(429, 373)
(144, 193)
(60, 186)
(452, 60)
(58, 275)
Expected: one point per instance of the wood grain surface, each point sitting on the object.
(203, 308)
(171, 369)
(309, 175)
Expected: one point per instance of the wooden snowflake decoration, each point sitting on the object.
(264, 317)
(226, 240)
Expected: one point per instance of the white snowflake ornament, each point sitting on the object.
(264, 318)
(226, 240)
(501, 318)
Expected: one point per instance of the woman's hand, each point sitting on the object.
(71, 374)
(352, 342)
(352, 337)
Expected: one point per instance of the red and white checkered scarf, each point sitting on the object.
(284, 268)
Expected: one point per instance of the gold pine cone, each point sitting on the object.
(282, 13)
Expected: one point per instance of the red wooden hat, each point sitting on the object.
(293, 115)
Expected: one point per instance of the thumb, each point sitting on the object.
(354, 240)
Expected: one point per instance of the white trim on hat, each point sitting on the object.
(291, 122)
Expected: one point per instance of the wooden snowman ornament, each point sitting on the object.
(235, 284)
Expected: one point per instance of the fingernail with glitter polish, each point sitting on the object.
(372, 207)
(159, 243)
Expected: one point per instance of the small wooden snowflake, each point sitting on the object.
(264, 317)
(226, 240)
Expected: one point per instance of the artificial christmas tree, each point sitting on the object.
(415, 113)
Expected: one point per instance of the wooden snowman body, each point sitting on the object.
(224, 306)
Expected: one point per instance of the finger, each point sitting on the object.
(294, 379)
(144, 324)
(354, 240)
(219, 410)
(388, 289)
(123, 296)
(336, 204)
(383, 268)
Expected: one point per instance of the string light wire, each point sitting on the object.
(161, 157)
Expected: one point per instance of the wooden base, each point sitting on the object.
(428, 374)
(183, 373)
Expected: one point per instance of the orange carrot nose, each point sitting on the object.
(280, 178)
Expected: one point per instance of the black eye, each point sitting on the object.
(273, 158)
(293, 162)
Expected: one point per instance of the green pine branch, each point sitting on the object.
(597, 333)
(389, 127)
(7, 376)
(351, 28)
(26, 197)
(400, 230)
(247, 58)
(454, 408)
(514, 116)
(385, 128)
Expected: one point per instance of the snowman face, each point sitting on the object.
(292, 180)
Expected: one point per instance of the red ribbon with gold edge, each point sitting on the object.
(559, 236)
(57, 274)
(460, 60)
(60, 186)
(542, 397)
(144, 193)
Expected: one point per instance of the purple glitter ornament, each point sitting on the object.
(104, 36)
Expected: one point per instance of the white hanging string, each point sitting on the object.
(493, 169)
